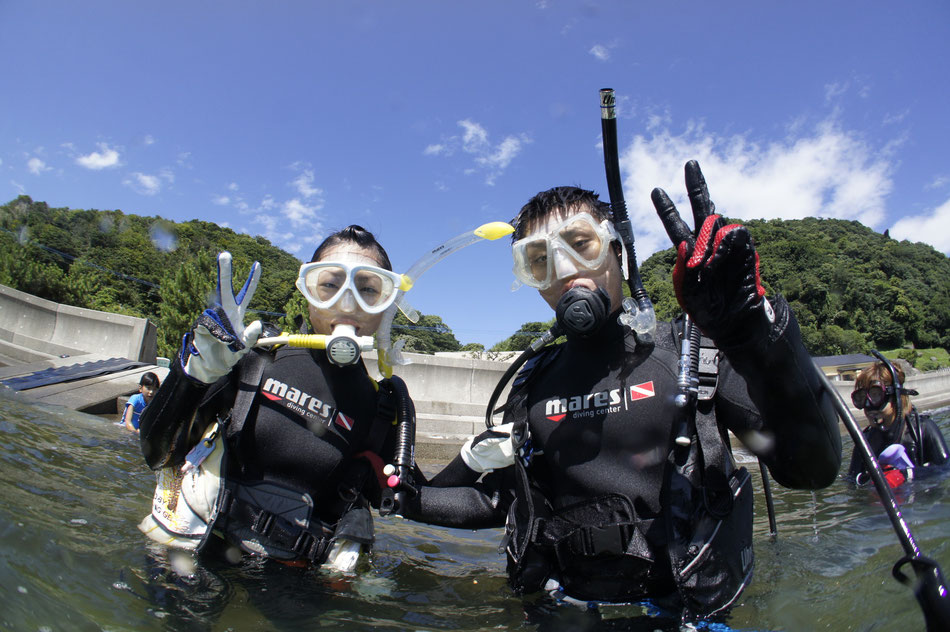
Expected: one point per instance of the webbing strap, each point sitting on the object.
(252, 370)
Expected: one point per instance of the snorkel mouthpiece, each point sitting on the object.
(582, 312)
(343, 347)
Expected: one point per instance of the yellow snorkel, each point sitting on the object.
(390, 355)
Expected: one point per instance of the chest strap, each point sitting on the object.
(252, 370)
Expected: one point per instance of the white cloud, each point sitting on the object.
(304, 184)
(36, 166)
(21, 190)
(490, 160)
(475, 138)
(835, 90)
(149, 139)
(221, 200)
(934, 227)
(300, 237)
(147, 184)
(297, 212)
(600, 52)
(939, 182)
(105, 158)
(503, 154)
(143, 183)
(827, 172)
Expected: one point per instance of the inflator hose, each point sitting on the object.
(539, 343)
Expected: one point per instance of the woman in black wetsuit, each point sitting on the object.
(902, 439)
(303, 431)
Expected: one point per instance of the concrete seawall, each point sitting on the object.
(37, 334)
(32, 328)
(450, 393)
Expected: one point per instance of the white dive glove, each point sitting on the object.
(491, 450)
(219, 338)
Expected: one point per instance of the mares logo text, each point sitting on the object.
(583, 405)
(296, 400)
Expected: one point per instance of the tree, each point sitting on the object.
(520, 340)
(185, 292)
(429, 335)
(295, 308)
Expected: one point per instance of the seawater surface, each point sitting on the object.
(74, 487)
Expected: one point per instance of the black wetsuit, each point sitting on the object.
(931, 451)
(309, 422)
(602, 423)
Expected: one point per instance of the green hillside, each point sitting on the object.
(851, 288)
(154, 268)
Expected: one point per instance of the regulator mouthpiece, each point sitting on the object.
(581, 311)
(343, 347)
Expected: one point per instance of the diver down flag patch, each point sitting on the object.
(343, 420)
(641, 391)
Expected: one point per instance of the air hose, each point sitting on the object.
(401, 484)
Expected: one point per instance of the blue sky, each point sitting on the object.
(422, 120)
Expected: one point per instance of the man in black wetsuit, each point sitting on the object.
(609, 490)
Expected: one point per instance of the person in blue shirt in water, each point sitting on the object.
(148, 385)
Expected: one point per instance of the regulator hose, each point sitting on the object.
(401, 484)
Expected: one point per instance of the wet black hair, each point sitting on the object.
(149, 379)
(569, 199)
(357, 235)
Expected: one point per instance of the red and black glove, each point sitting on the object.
(716, 276)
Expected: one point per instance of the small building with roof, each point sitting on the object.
(844, 368)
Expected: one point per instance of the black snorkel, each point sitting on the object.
(931, 589)
(638, 312)
(580, 311)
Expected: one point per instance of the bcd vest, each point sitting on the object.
(707, 510)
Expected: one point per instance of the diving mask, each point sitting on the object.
(874, 397)
(326, 283)
(577, 243)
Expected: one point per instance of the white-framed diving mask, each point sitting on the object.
(371, 288)
(577, 243)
